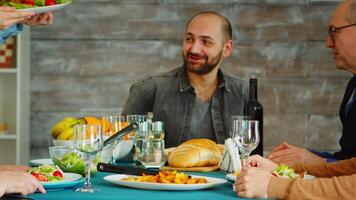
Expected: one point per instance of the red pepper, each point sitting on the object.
(28, 2)
(50, 2)
(58, 173)
(40, 177)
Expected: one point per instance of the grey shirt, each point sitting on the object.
(171, 98)
(201, 125)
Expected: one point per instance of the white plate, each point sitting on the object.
(232, 177)
(43, 9)
(116, 179)
(38, 162)
(70, 179)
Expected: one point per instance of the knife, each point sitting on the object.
(120, 134)
(104, 167)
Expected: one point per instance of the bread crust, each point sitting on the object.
(195, 153)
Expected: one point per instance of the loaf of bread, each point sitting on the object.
(195, 153)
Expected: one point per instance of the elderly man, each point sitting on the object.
(340, 177)
(344, 55)
(198, 99)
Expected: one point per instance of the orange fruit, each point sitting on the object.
(92, 120)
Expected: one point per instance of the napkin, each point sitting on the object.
(230, 161)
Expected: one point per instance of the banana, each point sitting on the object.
(64, 124)
(66, 134)
(71, 138)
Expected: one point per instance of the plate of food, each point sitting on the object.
(165, 180)
(232, 176)
(52, 177)
(37, 6)
(282, 171)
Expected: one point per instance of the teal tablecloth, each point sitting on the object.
(110, 191)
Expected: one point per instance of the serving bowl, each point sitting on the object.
(122, 148)
(68, 161)
(67, 143)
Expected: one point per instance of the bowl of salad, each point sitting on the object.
(37, 6)
(47, 173)
(68, 160)
(284, 171)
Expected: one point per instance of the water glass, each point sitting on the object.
(136, 118)
(88, 142)
(151, 153)
(246, 137)
(149, 145)
(113, 123)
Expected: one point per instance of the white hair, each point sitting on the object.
(351, 14)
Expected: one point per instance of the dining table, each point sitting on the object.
(112, 191)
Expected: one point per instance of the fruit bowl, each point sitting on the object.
(68, 161)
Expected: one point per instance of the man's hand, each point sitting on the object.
(261, 163)
(40, 19)
(19, 182)
(9, 16)
(14, 168)
(290, 155)
(253, 183)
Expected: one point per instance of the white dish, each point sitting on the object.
(307, 176)
(38, 162)
(116, 179)
(232, 177)
(122, 149)
(43, 9)
(70, 179)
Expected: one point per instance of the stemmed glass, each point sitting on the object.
(88, 142)
(246, 136)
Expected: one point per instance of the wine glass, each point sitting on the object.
(88, 142)
(246, 137)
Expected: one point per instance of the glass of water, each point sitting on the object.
(88, 142)
(246, 135)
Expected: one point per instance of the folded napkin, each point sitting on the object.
(230, 161)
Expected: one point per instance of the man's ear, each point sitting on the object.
(227, 48)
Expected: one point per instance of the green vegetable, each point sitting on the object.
(285, 172)
(71, 162)
(17, 5)
(40, 2)
(63, 1)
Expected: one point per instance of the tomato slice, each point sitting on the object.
(28, 2)
(40, 177)
(50, 2)
(58, 173)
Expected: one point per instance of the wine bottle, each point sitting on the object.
(255, 110)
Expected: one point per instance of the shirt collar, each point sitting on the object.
(185, 84)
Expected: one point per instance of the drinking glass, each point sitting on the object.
(88, 142)
(113, 123)
(136, 118)
(246, 136)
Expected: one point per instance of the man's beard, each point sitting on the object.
(205, 68)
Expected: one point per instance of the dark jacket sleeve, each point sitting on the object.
(141, 98)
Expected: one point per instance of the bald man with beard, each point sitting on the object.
(197, 99)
